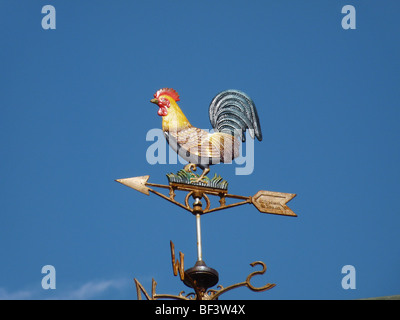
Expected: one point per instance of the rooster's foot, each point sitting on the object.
(197, 180)
(202, 177)
(190, 167)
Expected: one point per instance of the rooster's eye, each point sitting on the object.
(164, 102)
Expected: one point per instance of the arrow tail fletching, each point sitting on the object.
(273, 202)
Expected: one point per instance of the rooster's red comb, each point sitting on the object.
(167, 91)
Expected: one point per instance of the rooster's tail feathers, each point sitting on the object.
(233, 111)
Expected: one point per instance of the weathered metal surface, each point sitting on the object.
(178, 265)
(264, 201)
(137, 183)
(189, 178)
(231, 112)
(273, 202)
(200, 278)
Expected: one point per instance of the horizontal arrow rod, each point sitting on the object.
(265, 201)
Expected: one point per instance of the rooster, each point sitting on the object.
(231, 113)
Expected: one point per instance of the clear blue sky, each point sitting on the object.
(75, 110)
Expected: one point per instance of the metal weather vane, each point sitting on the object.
(265, 201)
(231, 112)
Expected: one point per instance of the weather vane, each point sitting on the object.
(231, 112)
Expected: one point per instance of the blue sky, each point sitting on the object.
(75, 111)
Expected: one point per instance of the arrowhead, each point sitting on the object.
(137, 183)
(273, 202)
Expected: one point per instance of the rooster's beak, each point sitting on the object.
(154, 101)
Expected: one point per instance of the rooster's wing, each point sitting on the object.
(200, 147)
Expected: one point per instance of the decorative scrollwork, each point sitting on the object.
(251, 275)
(211, 294)
(217, 293)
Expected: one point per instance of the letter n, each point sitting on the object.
(140, 289)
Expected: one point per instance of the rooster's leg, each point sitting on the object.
(201, 178)
(190, 167)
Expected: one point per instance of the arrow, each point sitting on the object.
(137, 183)
(140, 184)
(273, 202)
(265, 201)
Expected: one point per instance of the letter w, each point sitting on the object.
(177, 265)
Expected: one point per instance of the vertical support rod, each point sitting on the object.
(198, 227)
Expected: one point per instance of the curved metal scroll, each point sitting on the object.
(211, 294)
(214, 294)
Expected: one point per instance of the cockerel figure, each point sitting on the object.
(231, 113)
